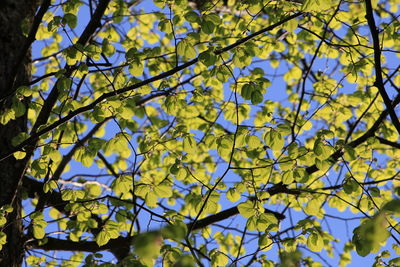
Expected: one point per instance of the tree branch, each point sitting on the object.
(378, 67)
(387, 142)
(25, 48)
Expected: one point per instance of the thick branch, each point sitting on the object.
(378, 66)
(33, 186)
(25, 48)
(121, 242)
(387, 142)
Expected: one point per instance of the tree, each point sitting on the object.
(199, 133)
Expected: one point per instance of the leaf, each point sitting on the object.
(107, 48)
(192, 16)
(214, 18)
(247, 209)
(315, 242)
(256, 97)
(313, 208)
(247, 90)
(322, 151)
(151, 199)
(67, 194)
(185, 49)
(392, 206)
(207, 27)
(233, 195)
(316, 5)
(3, 220)
(102, 238)
(181, 48)
(163, 190)
(267, 222)
(265, 243)
(208, 58)
(176, 231)
(219, 259)
(49, 186)
(71, 20)
(274, 140)
(38, 231)
(165, 26)
(369, 236)
(147, 246)
(287, 177)
(189, 145)
(253, 142)
(136, 68)
(181, 174)
(3, 238)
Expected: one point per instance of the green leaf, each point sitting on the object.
(189, 144)
(102, 238)
(316, 5)
(256, 97)
(49, 186)
(71, 20)
(176, 231)
(107, 48)
(274, 140)
(19, 108)
(208, 58)
(185, 49)
(233, 195)
(192, 16)
(267, 222)
(64, 84)
(322, 151)
(136, 68)
(67, 194)
(287, 177)
(253, 142)
(3, 220)
(213, 18)
(165, 26)
(163, 190)
(38, 231)
(315, 242)
(247, 209)
(207, 27)
(264, 242)
(370, 235)
(151, 199)
(392, 206)
(147, 246)
(219, 259)
(313, 208)
(247, 90)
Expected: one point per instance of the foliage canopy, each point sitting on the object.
(208, 133)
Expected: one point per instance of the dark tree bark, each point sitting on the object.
(14, 72)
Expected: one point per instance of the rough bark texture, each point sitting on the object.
(12, 13)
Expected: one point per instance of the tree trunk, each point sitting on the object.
(12, 14)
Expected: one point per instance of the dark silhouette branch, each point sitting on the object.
(25, 48)
(387, 142)
(378, 66)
